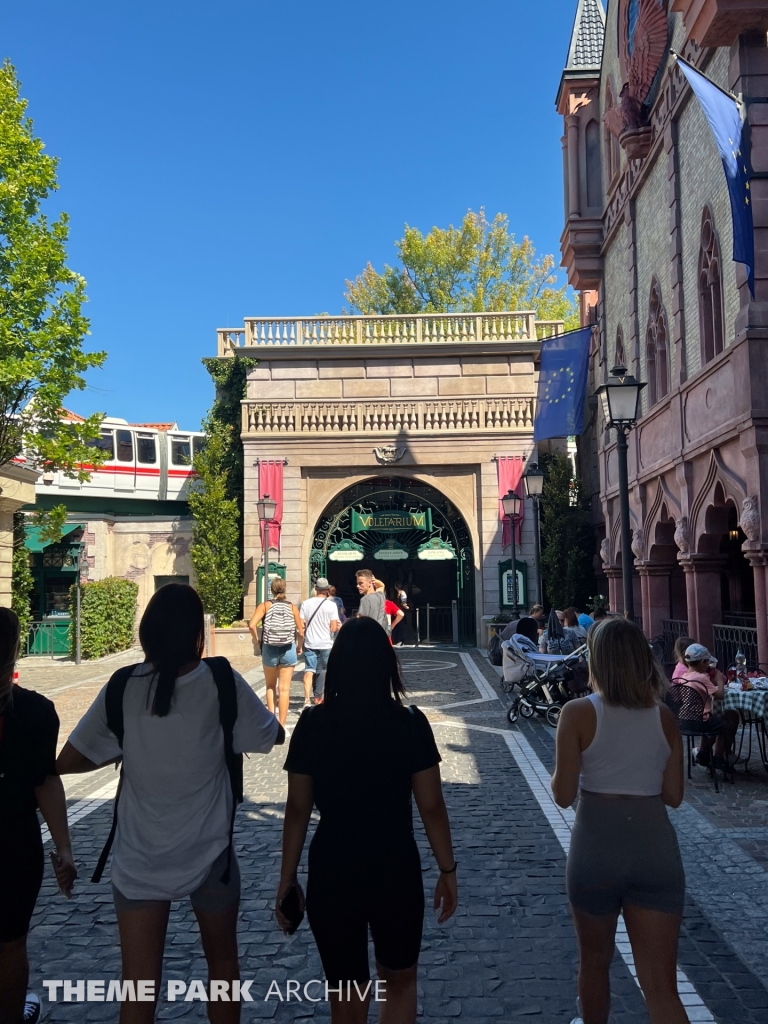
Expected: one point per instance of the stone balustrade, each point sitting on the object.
(486, 415)
(416, 329)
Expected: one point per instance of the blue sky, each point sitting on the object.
(243, 158)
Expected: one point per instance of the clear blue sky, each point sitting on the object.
(242, 158)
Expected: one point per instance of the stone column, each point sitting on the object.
(757, 560)
(654, 584)
(572, 125)
(702, 583)
(615, 599)
(6, 557)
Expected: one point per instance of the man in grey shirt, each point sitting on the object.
(371, 601)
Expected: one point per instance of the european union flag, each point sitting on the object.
(724, 117)
(562, 385)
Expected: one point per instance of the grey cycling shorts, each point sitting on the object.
(210, 896)
(624, 851)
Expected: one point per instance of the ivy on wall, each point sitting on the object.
(566, 536)
(216, 498)
(107, 616)
(22, 581)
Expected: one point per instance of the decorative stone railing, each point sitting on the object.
(418, 329)
(484, 414)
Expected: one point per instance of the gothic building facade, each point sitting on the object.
(647, 244)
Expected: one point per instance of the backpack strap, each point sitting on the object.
(226, 687)
(113, 700)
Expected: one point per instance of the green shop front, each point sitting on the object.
(54, 570)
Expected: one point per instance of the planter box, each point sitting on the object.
(234, 643)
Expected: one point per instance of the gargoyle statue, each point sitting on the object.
(645, 52)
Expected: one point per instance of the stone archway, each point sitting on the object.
(400, 527)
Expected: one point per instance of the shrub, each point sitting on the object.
(22, 581)
(107, 616)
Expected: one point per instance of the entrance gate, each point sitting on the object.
(404, 531)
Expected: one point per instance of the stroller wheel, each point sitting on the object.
(526, 710)
(513, 712)
(553, 715)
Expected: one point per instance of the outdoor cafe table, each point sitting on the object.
(753, 706)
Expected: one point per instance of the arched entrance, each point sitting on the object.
(405, 532)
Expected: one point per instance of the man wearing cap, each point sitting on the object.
(320, 618)
(703, 677)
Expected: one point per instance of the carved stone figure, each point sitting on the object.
(750, 517)
(644, 30)
(682, 534)
(605, 550)
(638, 543)
(388, 453)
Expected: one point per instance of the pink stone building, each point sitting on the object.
(647, 243)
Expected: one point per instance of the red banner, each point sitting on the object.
(510, 471)
(271, 485)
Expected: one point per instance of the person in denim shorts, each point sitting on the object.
(282, 634)
(320, 619)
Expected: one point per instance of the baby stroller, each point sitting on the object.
(547, 684)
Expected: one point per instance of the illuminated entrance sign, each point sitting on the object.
(436, 550)
(390, 551)
(346, 551)
(390, 522)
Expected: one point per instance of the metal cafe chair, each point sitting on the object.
(688, 708)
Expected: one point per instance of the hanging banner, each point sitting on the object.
(390, 522)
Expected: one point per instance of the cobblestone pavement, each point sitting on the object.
(509, 952)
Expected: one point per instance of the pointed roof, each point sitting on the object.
(586, 49)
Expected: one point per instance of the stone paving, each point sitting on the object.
(509, 953)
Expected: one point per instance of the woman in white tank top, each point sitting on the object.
(620, 750)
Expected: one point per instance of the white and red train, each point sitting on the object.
(144, 460)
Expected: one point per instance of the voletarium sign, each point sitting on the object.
(390, 522)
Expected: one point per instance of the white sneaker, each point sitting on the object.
(577, 1020)
(307, 704)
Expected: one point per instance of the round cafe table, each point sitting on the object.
(752, 705)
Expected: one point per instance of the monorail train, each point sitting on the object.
(143, 461)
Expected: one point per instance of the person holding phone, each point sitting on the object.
(360, 758)
(29, 730)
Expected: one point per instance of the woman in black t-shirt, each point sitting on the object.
(29, 728)
(358, 758)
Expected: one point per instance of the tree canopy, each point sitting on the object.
(476, 267)
(42, 326)
(567, 541)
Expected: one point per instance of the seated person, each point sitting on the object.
(572, 620)
(681, 646)
(598, 615)
(539, 615)
(557, 638)
(527, 635)
(702, 676)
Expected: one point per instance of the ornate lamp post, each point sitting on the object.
(266, 508)
(511, 505)
(533, 479)
(620, 397)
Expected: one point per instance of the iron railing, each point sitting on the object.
(47, 639)
(730, 639)
(671, 630)
(740, 619)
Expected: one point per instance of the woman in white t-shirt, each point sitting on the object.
(176, 802)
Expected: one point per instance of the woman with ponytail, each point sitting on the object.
(175, 806)
(29, 729)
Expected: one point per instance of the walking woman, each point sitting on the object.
(620, 749)
(29, 729)
(175, 809)
(359, 758)
(279, 647)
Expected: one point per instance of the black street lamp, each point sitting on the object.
(265, 508)
(620, 397)
(533, 479)
(511, 504)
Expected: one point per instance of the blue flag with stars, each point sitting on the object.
(562, 385)
(724, 117)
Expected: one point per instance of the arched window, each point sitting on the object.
(710, 290)
(620, 358)
(594, 177)
(610, 142)
(656, 347)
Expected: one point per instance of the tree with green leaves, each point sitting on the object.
(566, 536)
(476, 267)
(215, 550)
(42, 327)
